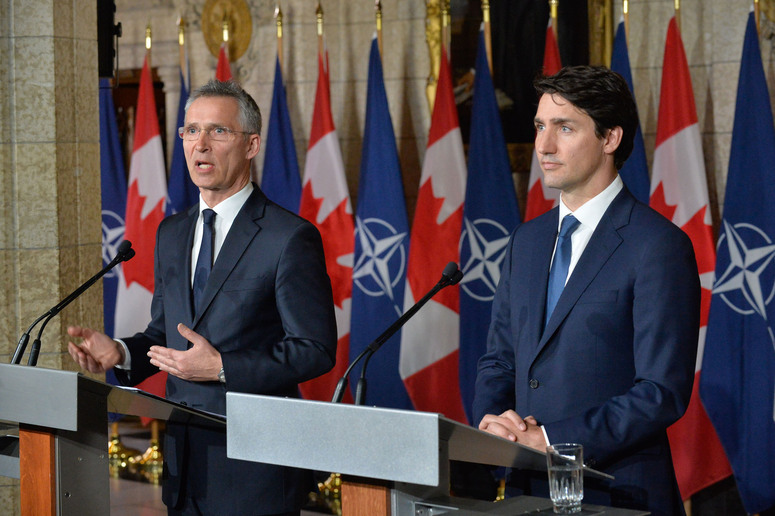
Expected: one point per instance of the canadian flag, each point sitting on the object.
(430, 342)
(145, 205)
(223, 68)
(541, 199)
(679, 191)
(325, 201)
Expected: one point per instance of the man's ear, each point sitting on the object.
(613, 139)
(254, 146)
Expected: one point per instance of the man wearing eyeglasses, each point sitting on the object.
(242, 302)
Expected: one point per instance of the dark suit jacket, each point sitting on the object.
(268, 309)
(615, 365)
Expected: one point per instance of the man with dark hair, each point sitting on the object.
(241, 302)
(595, 320)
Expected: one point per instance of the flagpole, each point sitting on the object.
(553, 4)
(756, 14)
(319, 17)
(225, 29)
(148, 43)
(678, 15)
(378, 16)
(487, 33)
(182, 46)
(626, 16)
(278, 17)
(445, 27)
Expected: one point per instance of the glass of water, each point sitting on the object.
(566, 478)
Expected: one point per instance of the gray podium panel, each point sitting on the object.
(54, 394)
(370, 442)
(387, 444)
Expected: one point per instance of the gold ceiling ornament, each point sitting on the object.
(433, 39)
(768, 7)
(234, 14)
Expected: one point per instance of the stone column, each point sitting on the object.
(50, 238)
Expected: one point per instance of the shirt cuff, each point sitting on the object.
(546, 437)
(127, 364)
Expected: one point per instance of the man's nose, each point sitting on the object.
(202, 140)
(544, 143)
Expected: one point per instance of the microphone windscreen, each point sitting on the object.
(450, 270)
(123, 247)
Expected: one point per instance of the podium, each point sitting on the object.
(61, 456)
(393, 462)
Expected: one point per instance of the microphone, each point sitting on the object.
(450, 276)
(123, 253)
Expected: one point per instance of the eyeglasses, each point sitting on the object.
(217, 133)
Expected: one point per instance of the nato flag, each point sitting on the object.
(490, 214)
(280, 180)
(738, 367)
(381, 248)
(635, 172)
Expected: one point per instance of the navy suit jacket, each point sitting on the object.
(268, 309)
(615, 364)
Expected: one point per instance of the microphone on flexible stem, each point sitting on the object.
(123, 253)
(450, 276)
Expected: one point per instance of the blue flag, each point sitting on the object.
(182, 193)
(381, 248)
(738, 367)
(280, 180)
(490, 214)
(113, 179)
(635, 172)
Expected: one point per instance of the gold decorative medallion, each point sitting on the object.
(768, 7)
(234, 16)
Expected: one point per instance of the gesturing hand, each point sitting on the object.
(200, 363)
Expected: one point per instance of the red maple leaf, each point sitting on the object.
(432, 246)
(659, 203)
(337, 231)
(142, 233)
(701, 235)
(537, 204)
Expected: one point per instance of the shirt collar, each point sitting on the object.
(590, 213)
(228, 208)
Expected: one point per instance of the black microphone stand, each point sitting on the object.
(451, 276)
(124, 253)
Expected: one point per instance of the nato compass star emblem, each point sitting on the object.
(482, 249)
(747, 284)
(112, 236)
(382, 261)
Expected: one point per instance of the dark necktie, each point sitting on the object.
(559, 271)
(205, 261)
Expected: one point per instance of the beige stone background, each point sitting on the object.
(50, 238)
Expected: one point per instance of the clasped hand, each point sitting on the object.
(511, 426)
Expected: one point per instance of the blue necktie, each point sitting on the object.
(205, 261)
(559, 271)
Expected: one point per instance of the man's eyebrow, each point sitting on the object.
(555, 121)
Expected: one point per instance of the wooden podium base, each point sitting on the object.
(362, 499)
(37, 466)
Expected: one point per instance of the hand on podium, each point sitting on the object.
(511, 426)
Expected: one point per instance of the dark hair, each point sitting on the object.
(600, 93)
(249, 114)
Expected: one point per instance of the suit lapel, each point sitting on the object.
(539, 259)
(242, 232)
(184, 237)
(601, 246)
